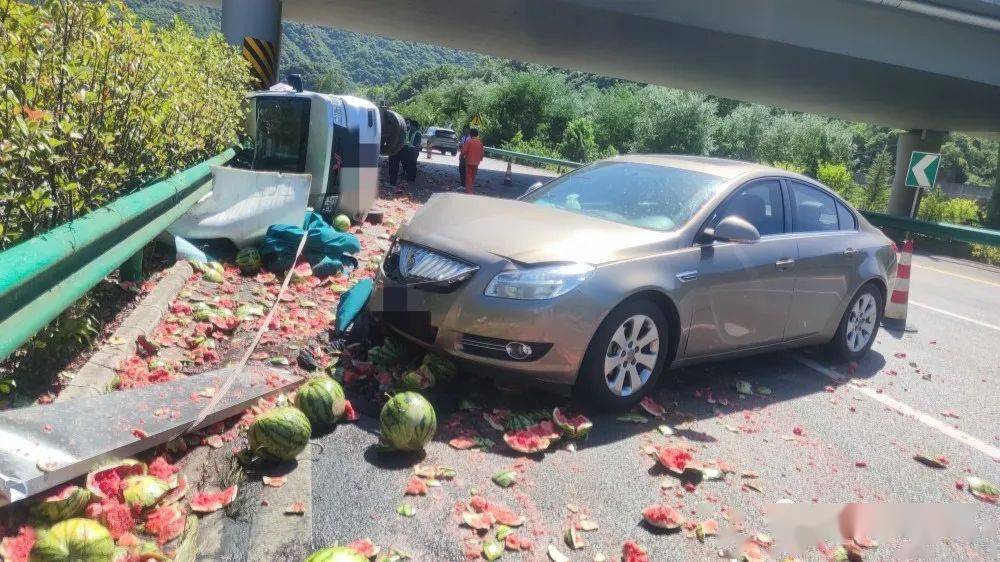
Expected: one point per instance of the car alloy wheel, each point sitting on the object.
(861, 322)
(631, 355)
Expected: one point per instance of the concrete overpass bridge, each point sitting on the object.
(924, 66)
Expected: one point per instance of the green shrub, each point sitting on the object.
(837, 177)
(938, 207)
(94, 103)
(987, 254)
(578, 142)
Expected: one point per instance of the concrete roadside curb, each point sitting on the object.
(97, 373)
(275, 535)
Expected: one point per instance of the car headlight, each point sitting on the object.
(538, 283)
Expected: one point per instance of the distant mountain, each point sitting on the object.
(322, 54)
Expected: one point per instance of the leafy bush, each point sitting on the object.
(838, 178)
(675, 122)
(987, 254)
(94, 103)
(938, 207)
(578, 142)
(874, 194)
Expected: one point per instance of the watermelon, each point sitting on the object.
(180, 487)
(166, 523)
(74, 540)
(652, 407)
(336, 554)
(279, 434)
(632, 552)
(674, 459)
(545, 429)
(478, 521)
(365, 547)
(106, 482)
(574, 427)
(144, 491)
(208, 502)
(526, 441)
(441, 368)
(62, 503)
(114, 515)
(17, 548)
(161, 468)
(321, 399)
(663, 517)
(248, 260)
(407, 422)
(417, 379)
(342, 223)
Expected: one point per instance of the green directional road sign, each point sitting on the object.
(923, 169)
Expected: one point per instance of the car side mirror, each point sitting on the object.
(733, 229)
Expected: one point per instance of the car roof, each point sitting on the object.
(721, 167)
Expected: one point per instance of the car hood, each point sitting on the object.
(525, 232)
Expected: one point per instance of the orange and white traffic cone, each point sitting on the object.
(508, 178)
(895, 309)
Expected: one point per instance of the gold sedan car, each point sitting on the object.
(608, 275)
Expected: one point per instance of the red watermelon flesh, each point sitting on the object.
(177, 492)
(349, 413)
(207, 502)
(632, 552)
(663, 517)
(478, 521)
(462, 442)
(674, 459)
(652, 407)
(514, 542)
(18, 548)
(499, 513)
(107, 482)
(365, 547)
(526, 441)
(116, 516)
(162, 469)
(416, 487)
(166, 523)
(545, 429)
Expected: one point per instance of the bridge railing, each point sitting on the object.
(44, 275)
(940, 230)
(531, 158)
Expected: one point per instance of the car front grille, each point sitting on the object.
(412, 264)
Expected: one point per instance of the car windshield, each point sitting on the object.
(645, 195)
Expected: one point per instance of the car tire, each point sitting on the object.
(859, 325)
(596, 380)
(454, 152)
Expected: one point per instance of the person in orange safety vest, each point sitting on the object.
(473, 153)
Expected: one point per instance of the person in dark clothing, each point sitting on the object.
(393, 163)
(412, 152)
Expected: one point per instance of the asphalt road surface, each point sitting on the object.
(817, 438)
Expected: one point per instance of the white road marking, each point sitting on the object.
(906, 410)
(953, 274)
(959, 316)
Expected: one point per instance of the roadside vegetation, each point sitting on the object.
(94, 103)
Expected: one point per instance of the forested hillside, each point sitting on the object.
(325, 57)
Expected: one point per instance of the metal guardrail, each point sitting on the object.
(530, 158)
(44, 275)
(940, 230)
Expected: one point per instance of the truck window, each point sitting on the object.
(282, 134)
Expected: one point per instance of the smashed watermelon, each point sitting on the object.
(478, 521)
(675, 459)
(106, 482)
(63, 502)
(161, 468)
(115, 515)
(526, 441)
(166, 523)
(499, 513)
(207, 502)
(652, 407)
(545, 429)
(632, 552)
(663, 517)
(574, 427)
(18, 547)
(416, 487)
(365, 547)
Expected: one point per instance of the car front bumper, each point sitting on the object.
(474, 328)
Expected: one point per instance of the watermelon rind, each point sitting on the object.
(65, 502)
(279, 434)
(74, 540)
(407, 422)
(336, 554)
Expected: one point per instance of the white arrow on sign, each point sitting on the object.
(920, 169)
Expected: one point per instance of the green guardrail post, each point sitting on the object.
(131, 270)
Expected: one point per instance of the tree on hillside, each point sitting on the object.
(675, 122)
(615, 112)
(535, 105)
(878, 181)
(740, 133)
(578, 141)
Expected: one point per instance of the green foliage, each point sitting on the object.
(94, 103)
(936, 206)
(968, 159)
(578, 142)
(615, 112)
(874, 195)
(790, 166)
(675, 122)
(534, 105)
(739, 133)
(805, 140)
(838, 178)
(984, 253)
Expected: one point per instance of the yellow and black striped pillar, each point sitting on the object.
(263, 59)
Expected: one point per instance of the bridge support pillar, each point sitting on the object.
(901, 198)
(255, 26)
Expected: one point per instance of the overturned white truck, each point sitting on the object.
(309, 148)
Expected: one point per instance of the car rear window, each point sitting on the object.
(444, 133)
(644, 195)
(812, 210)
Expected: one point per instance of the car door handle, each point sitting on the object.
(784, 263)
(850, 252)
